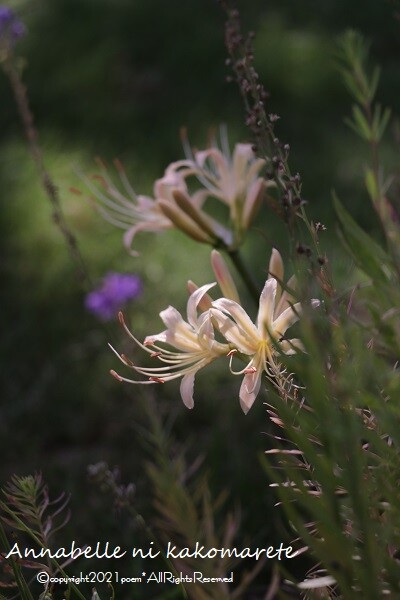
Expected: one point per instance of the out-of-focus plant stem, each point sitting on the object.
(21, 98)
(237, 261)
(19, 579)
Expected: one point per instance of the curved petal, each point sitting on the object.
(266, 308)
(186, 389)
(286, 319)
(292, 346)
(172, 318)
(183, 168)
(234, 334)
(151, 226)
(290, 316)
(206, 338)
(205, 333)
(276, 268)
(253, 201)
(205, 302)
(194, 301)
(249, 390)
(217, 174)
(242, 156)
(147, 208)
(158, 337)
(171, 181)
(217, 158)
(223, 276)
(178, 333)
(253, 170)
(239, 315)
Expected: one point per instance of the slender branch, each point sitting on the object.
(245, 275)
(26, 115)
(22, 585)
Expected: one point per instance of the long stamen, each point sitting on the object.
(247, 369)
(112, 191)
(125, 361)
(115, 375)
(121, 379)
(126, 207)
(125, 181)
(121, 319)
(117, 222)
(155, 375)
(110, 188)
(160, 370)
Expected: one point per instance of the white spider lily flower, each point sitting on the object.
(121, 206)
(233, 178)
(172, 206)
(193, 342)
(258, 341)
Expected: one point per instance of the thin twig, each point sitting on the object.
(21, 97)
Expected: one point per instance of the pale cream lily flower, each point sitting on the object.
(172, 206)
(193, 342)
(261, 341)
(121, 206)
(233, 178)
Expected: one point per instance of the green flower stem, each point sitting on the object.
(22, 585)
(21, 98)
(245, 275)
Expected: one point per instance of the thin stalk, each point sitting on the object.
(51, 190)
(245, 275)
(389, 225)
(19, 578)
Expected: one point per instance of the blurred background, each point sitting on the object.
(116, 78)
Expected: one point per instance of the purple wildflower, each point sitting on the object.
(11, 28)
(115, 291)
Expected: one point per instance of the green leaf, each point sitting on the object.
(373, 86)
(383, 123)
(352, 85)
(369, 256)
(362, 124)
(380, 121)
(371, 184)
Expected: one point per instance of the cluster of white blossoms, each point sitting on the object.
(233, 179)
(186, 346)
